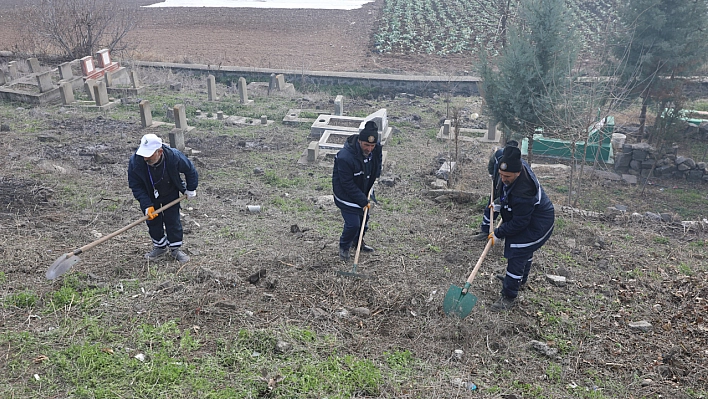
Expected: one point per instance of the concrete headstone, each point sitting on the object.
(491, 130)
(145, 113)
(44, 80)
(100, 93)
(134, 79)
(3, 79)
(33, 65)
(211, 88)
(242, 93)
(177, 139)
(339, 105)
(67, 93)
(180, 113)
(279, 82)
(88, 88)
(12, 70)
(108, 78)
(65, 72)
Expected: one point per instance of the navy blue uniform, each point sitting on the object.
(352, 178)
(164, 178)
(527, 223)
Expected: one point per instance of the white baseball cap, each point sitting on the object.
(148, 145)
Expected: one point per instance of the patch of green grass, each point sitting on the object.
(660, 240)
(23, 299)
(3, 278)
(290, 204)
(272, 179)
(554, 372)
(685, 269)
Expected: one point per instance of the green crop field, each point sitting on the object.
(455, 26)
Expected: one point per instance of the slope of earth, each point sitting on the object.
(260, 312)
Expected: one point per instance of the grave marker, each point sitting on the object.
(44, 81)
(339, 105)
(12, 70)
(104, 58)
(271, 84)
(87, 66)
(446, 127)
(33, 65)
(67, 93)
(100, 93)
(145, 113)
(177, 86)
(491, 130)
(313, 151)
(3, 79)
(220, 115)
(211, 88)
(108, 78)
(134, 79)
(65, 72)
(89, 84)
(242, 93)
(264, 119)
(280, 82)
(177, 139)
(180, 113)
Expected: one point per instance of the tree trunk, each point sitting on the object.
(643, 117)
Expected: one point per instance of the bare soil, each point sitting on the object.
(315, 40)
(63, 184)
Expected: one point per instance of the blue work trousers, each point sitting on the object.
(517, 272)
(166, 221)
(352, 227)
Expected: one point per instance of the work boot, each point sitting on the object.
(156, 253)
(364, 247)
(343, 254)
(481, 236)
(503, 304)
(179, 255)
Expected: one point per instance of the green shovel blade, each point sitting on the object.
(458, 304)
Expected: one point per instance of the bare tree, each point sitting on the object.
(77, 28)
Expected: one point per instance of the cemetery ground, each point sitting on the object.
(259, 311)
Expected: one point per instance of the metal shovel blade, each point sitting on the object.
(457, 303)
(61, 265)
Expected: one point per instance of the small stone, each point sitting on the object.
(646, 382)
(558, 281)
(283, 346)
(642, 325)
(361, 312)
(258, 171)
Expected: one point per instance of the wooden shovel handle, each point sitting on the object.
(487, 247)
(361, 232)
(123, 229)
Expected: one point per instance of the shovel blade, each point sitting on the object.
(61, 265)
(352, 273)
(458, 304)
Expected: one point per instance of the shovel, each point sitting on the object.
(353, 273)
(66, 261)
(459, 301)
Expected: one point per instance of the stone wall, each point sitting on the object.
(643, 160)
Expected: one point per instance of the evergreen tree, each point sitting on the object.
(663, 40)
(532, 68)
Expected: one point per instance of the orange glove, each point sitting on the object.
(492, 237)
(150, 213)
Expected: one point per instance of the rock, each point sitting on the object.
(438, 183)
(257, 171)
(643, 325)
(253, 279)
(4, 127)
(629, 179)
(318, 313)
(654, 217)
(646, 382)
(361, 312)
(558, 281)
(342, 313)
(283, 347)
(544, 349)
(324, 200)
(225, 305)
(389, 181)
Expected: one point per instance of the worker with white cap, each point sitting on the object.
(154, 177)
